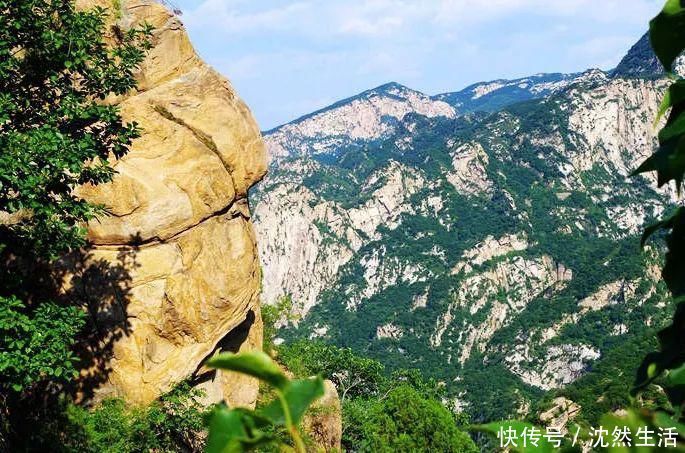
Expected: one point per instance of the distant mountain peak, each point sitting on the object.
(391, 87)
(367, 116)
(640, 61)
(392, 90)
(497, 94)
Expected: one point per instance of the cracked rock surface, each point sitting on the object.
(179, 216)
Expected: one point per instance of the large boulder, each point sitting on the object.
(173, 274)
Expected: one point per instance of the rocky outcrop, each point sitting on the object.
(179, 234)
(302, 256)
(562, 412)
(496, 276)
(606, 120)
(560, 365)
(323, 421)
(469, 175)
(390, 331)
(489, 249)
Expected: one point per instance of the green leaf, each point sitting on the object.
(519, 428)
(663, 224)
(674, 128)
(674, 95)
(234, 430)
(665, 420)
(677, 376)
(668, 161)
(255, 363)
(225, 431)
(666, 104)
(635, 420)
(667, 33)
(298, 395)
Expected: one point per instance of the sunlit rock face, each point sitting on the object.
(369, 116)
(179, 242)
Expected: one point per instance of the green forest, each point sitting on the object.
(65, 74)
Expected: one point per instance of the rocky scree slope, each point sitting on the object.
(497, 252)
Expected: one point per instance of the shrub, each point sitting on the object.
(174, 423)
(402, 421)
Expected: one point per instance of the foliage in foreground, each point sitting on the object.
(237, 429)
(55, 133)
(37, 346)
(58, 65)
(173, 423)
(667, 35)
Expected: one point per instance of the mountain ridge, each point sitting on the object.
(639, 61)
(485, 97)
(467, 244)
(380, 89)
(503, 92)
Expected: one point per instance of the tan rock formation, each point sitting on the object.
(179, 238)
(562, 412)
(323, 421)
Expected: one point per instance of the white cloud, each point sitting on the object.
(278, 52)
(371, 27)
(235, 17)
(364, 18)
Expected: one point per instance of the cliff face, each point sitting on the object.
(491, 250)
(179, 239)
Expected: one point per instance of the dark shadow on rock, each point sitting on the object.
(84, 278)
(231, 342)
(101, 286)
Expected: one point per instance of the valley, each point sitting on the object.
(487, 237)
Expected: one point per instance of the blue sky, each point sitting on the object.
(288, 58)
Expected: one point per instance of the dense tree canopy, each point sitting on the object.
(56, 68)
(403, 421)
(60, 68)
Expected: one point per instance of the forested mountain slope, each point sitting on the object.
(497, 252)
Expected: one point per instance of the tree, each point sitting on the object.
(56, 133)
(59, 67)
(404, 421)
(273, 316)
(352, 375)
